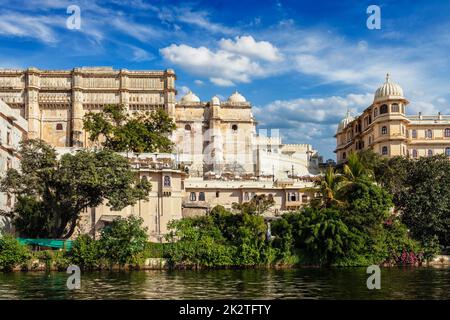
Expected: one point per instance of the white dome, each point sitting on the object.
(344, 122)
(190, 97)
(215, 100)
(389, 90)
(237, 97)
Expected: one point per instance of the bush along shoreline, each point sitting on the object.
(350, 223)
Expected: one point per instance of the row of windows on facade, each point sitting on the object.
(292, 196)
(166, 180)
(8, 137)
(429, 133)
(414, 152)
(188, 127)
(430, 152)
(383, 109)
(384, 130)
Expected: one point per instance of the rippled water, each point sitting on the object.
(345, 283)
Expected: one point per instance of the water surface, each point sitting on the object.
(339, 283)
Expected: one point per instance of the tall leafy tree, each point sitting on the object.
(120, 131)
(52, 192)
(421, 192)
(327, 188)
(259, 204)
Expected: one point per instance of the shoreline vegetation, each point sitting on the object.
(373, 211)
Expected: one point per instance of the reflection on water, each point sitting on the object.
(343, 283)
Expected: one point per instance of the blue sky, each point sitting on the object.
(301, 63)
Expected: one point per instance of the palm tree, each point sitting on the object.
(328, 187)
(355, 171)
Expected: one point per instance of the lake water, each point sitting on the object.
(340, 283)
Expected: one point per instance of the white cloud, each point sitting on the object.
(199, 82)
(140, 55)
(37, 27)
(200, 19)
(327, 111)
(222, 82)
(246, 45)
(240, 60)
(221, 67)
(182, 90)
(138, 31)
(312, 120)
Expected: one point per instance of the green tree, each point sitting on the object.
(52, 192)
(355, 170)
(327, 188)
(421, 192)
(85, 252)
(259, 204)
(321, 235)
(121, 132)
(12, 253)
(123, 241)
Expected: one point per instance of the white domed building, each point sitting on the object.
(219, 138)
(190, 98)
(385, 128)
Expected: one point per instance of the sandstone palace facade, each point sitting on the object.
(385, 128)
(212, 136)
(219, 158)
(55, 101)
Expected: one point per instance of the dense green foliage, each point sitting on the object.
(12, 253)
(219, 239)
(52, 192)
(123, 241)
(421, 192)
(85, 252)
(349, 223)
(121, 132)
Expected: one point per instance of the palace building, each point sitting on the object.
(219, 158)
(385, 128)
(13, 129)
(55, 101)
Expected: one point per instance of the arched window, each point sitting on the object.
(384, 130)
(193, 196)
(429, 134)
(234, 127)
(447, 133)
(166, 181)
(304, 198)
(187, 127)
(414, 153)
(384, 109)
(430, 152)
(414, 133)
(59, 126)
(384, 151)
(395, 108)
(217, 194)
(201, 196)
(447, 152)
(375, 112)
(344, 155)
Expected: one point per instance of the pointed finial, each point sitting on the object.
(387, 77)
(348, 112)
